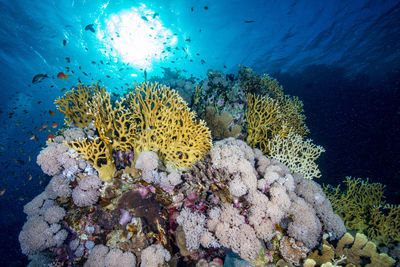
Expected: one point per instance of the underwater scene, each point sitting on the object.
(200, 133)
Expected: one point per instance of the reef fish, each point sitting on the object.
(61, 75)
(89, 27)
(39, 77)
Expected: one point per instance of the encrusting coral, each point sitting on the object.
(351, 251)
(221, 124)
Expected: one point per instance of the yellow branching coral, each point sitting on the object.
(75, 104)
(384, 224)
(165, 124)
(115, 125)
(152, 117)
(291, 110)
(272, 88)
(363, 208)
(290, 107)
(264, 122)
(298, 155)
(98, 154)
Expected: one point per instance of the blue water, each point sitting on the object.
(342, 58)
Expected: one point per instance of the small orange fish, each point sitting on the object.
(50, 136)
(108, 76)
(33, 137)
(62, 90)
(126, 84)
(116, 95)
(62, 76)
(44, 126)
(54, 125)
(51, 112)
(30, 177)
(2, 191)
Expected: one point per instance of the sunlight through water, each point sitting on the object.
(136, 36)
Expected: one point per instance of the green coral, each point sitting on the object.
(363, 209)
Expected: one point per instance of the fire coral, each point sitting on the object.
(165, 124)
(75, 104)
(152, 117)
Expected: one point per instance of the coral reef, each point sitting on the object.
(85, 194)
(139, 183)
(235, 198)
(154, 255)
(220, 94)
(290, 107)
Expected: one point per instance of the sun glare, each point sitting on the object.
(137, 37)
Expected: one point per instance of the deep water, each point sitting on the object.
(341, 58)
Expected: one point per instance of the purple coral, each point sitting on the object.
(125, 217)
(123, 158)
